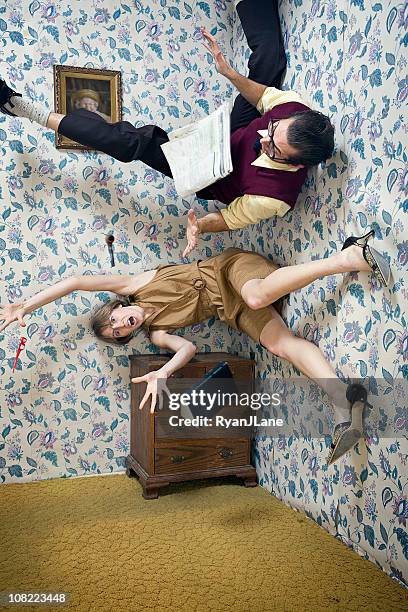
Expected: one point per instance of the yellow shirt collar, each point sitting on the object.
(263, 161)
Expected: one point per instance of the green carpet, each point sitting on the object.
(202, 546)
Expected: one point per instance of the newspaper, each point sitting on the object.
(199, 153)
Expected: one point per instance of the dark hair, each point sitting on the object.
(100, 321)
(312, 134)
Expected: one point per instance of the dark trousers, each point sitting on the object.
(267, 63)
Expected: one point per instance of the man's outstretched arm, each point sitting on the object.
(243, 211)
(251, 90)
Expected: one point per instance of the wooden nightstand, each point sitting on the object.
(158, 460)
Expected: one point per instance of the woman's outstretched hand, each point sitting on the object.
(156, 386)
(213, 47)
(10, 313)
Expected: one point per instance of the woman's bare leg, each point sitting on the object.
(304, 355)
(307, 358)
(54, 120)
(258, 293)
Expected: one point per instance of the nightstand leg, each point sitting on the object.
(150, 492)
(250, 482)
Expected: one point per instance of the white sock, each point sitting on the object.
(25, 108)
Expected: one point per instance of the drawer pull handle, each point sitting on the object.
(177, 375)
(177, 458)
(225, 453)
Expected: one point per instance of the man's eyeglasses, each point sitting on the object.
(272, 151)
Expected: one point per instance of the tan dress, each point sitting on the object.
(185, 294)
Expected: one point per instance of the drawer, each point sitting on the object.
(241, 371)
(166, 430)
(198, 457)
(190, 371)
(179, 382)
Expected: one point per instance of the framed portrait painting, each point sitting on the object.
(99, 91)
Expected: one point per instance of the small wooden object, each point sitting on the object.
(159, 460)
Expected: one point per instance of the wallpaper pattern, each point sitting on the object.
(349, 59)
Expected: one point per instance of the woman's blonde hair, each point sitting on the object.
(100, 321)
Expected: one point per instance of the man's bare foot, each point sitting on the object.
(193, 231)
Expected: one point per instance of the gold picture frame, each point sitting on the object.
(97, 90)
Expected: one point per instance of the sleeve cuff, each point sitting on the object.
(273, 97)
(231, 220)
(248, 210)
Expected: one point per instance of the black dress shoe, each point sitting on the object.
(5, 95)
(348, 433)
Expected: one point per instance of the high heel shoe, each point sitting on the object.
(348, 433)
(377, 262)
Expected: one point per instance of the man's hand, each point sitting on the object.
(193, 232)
(10, 313)
(221, 63)
(251, 90)
(153, 388)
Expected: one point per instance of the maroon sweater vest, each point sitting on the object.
(253, 180)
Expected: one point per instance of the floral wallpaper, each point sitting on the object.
(349, 59)
(65, 411)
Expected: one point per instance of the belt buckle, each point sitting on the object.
(198, 284)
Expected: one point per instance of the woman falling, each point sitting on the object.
(240, 288)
